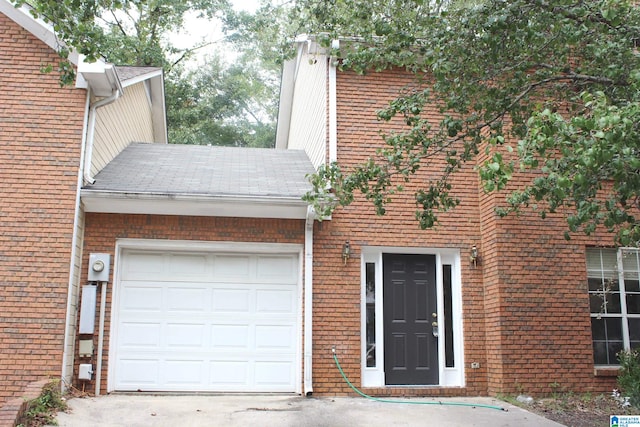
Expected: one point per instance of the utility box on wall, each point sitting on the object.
(88, 309)
(85, 372)
(99, 267)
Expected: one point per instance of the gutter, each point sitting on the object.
(308, 301)
(286, 207)
(116, 93)
(333, 109)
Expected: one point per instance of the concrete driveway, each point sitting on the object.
(289, 410)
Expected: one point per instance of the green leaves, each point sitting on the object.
(558, 80)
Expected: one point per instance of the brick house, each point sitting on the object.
(160, 267)
(530, 313)
(46, 132)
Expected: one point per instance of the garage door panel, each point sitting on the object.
(229, 372)
(276, 373)
(136, 373)
(277, 337)
(228, 267)
(142, 265)
(275, 301)
(230, 323)
(188, 266)
(230, 336)
(185, 336)
(184, 372)
(187, 299)
(277, 269)
(139, 335)
(140, 297)
(231, 300)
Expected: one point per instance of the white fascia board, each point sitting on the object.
(158, 106)
(190, 205)
(285, 103)
(142, 77)
(287, 90)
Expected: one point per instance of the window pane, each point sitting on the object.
(631, 263)
(631, 285)
(597, 329)
(607, 340)
(602, 262)
(612, 302)
(600, 353)
(370, 281)
(614, 329)
(614, 348)
(634, 329)
(595, 284)
(596, 301)
(633, 303)
(448, 317)
(612, 285)
(605, 298)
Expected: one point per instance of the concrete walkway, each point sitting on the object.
(287, 410)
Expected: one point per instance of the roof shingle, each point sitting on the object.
(172, 169)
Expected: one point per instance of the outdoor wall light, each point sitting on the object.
(473, 257)
(346, 252)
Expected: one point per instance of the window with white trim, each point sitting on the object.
(614, 295)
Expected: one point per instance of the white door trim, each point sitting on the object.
(448, 377)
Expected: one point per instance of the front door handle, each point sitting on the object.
(434, 326)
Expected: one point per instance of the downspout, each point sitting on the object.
(333, 112)
(117, 93)
(103, 305)
(69, 338)
(308, 301)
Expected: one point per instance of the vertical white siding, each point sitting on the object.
(308, 130)
(75, 298)
(120, 123)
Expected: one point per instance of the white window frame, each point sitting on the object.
(624, 315)
(448, 376)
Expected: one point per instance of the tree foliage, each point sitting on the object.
(220, 104)
(550, 87)
(138, 33)
(124, 31)
(216, 104)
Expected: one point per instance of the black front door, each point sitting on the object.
(409, 299)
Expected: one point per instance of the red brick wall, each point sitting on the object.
(536, 304)
(526, 313)
(102, 230)
(337, 309)
(40, 136)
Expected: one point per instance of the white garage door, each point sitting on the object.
(206, 322)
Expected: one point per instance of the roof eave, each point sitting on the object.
(100, 76)
(100, 201)
(36, 26)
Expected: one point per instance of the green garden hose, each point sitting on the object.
(411, 402)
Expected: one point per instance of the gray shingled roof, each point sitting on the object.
(171, 169)
(128, 72)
